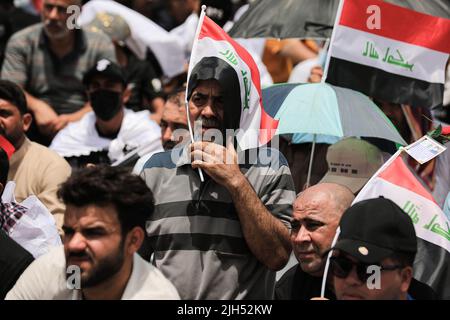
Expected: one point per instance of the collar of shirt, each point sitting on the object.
(79, 47)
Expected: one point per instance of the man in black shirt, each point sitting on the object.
(316, 215)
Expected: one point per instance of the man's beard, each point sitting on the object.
(12, 138)
(214, 128)
(169, 145)
(103, 269)
(62, 30)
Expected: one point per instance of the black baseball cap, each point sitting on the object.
(106, 68)
(374, 229)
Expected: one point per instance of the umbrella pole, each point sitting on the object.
(308, 179)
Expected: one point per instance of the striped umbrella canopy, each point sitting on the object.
(324, 109)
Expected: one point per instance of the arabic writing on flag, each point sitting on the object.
(389, 52)
(397, 183)
(213, 41)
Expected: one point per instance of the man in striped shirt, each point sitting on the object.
(223, 238)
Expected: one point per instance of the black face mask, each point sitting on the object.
(106, 103)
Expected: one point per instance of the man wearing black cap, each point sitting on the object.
(109, 132)
(224, 237)
(373, 257)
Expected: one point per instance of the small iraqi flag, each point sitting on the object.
(389, 52)
(216, 54)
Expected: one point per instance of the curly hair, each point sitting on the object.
(104, 185)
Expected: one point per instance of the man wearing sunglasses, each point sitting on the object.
(373, 257)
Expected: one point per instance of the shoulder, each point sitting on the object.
(265, 157)
(162, 159)
(47, 156)
(30, 33)
(43, 279)
(287, 279)
(148, 283)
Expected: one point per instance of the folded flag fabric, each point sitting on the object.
(389, 52)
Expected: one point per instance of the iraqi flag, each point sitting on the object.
(389, 52)
(396, 182)
(213, 46)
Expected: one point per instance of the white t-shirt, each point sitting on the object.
(45, 279)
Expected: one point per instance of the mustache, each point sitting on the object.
(81, 255)
(208, 122)
(53, 23)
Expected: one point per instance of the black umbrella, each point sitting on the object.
(309, 19)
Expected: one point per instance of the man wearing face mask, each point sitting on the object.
(109, 132)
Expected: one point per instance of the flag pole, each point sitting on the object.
(338, 230)
(191, 66)
(313, 148)
(336, 22)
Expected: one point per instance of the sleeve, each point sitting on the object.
(55, 173)
(15, 64)
(278, 190)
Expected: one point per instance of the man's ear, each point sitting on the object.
(126, 94)
(134, 240)
(26, 120)
(406, 277)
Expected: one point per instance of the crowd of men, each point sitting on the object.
(121, 204)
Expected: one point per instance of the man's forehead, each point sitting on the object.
(311, 207)
(6, 104)
(208, 86)
(90, 215)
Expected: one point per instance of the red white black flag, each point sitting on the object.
(389, 52)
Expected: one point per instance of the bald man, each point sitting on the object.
(316, 216)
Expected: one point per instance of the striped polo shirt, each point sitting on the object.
(195, 232)
(30, 63)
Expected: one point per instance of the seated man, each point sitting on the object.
(373, 257)
(317, 212)
(48, 61)
(109, 132)
(35, 169)
(104, 227)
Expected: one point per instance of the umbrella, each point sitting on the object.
(309, 19)
(324, 109)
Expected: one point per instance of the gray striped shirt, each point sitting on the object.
(195, 232)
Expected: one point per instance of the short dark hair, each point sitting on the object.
(12, 93)
(404, 259)
(4, 167)
(104, 185)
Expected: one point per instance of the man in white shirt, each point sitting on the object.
(110, 132)
(106, 211)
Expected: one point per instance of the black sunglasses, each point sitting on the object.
(341, 268)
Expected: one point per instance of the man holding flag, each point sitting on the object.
(222, 235)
